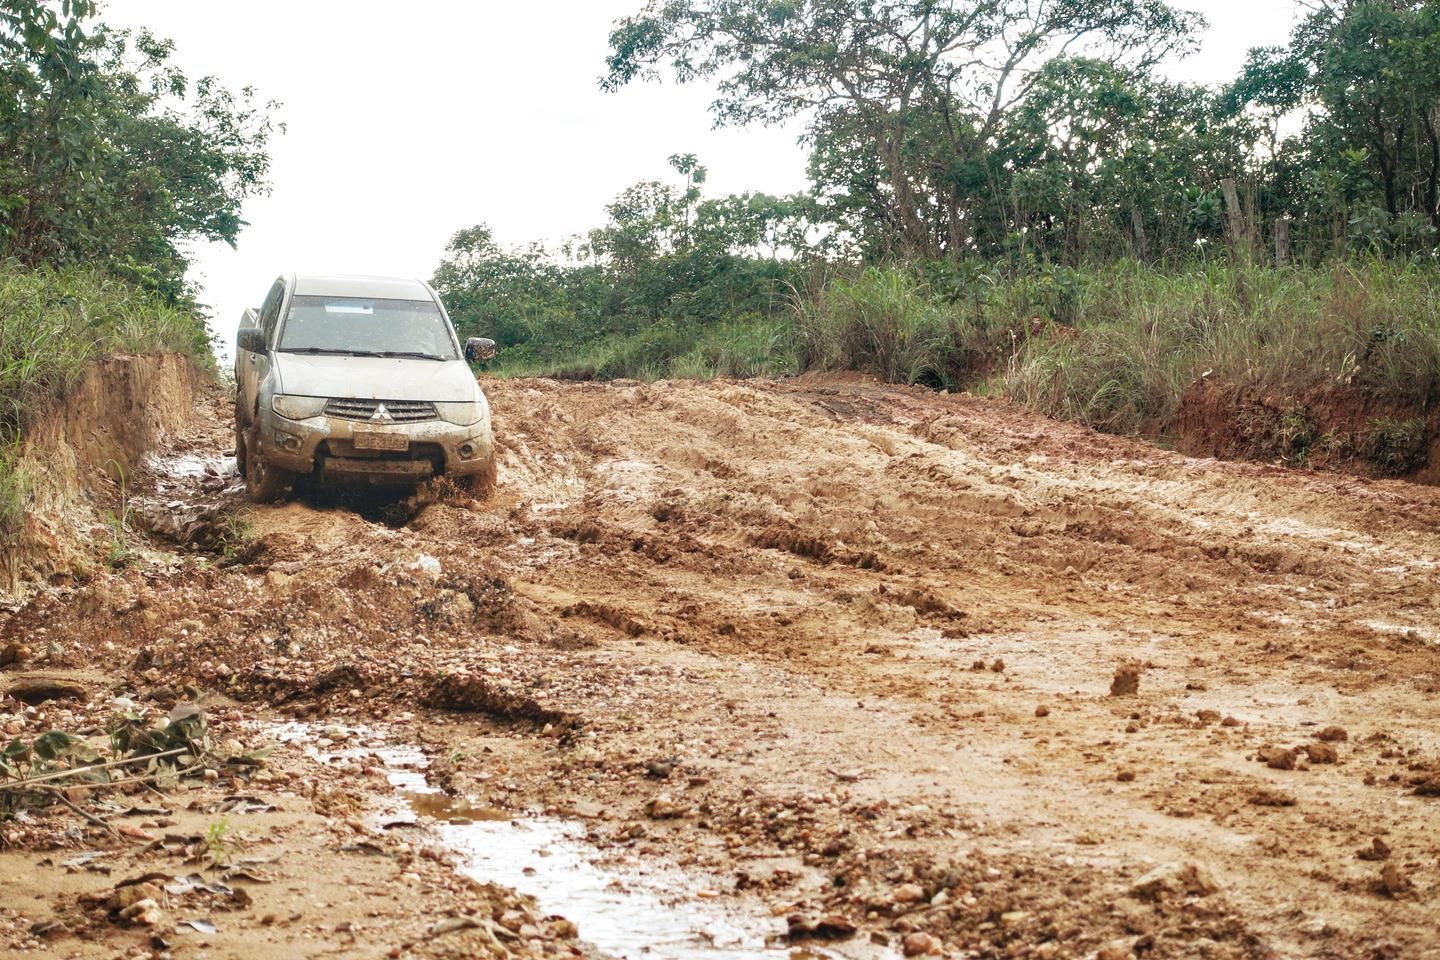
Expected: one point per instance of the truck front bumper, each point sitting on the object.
(327, 446)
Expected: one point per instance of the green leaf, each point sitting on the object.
(55, 745)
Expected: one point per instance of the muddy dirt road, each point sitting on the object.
(970, 681)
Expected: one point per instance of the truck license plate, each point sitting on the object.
(376, 440)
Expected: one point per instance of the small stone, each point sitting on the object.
(998, 666)
(1276, 758)
(978, 665)
(452, 924)
(1173, 879)
(1393, 881)
(1125, 776)
(832, 926)
(1207, 717)
(919, 945)
(14, 653)
(1042, 711)
(908, 893)
(1321, 753)
(1229, 721)
(132, 893)
(1332, 734)
(663, 807)
(143, 913)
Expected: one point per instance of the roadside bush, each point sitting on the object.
(883, 322)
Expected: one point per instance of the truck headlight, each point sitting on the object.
(462, 414)
(298, 408)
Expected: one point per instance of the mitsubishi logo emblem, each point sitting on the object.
(381, 415)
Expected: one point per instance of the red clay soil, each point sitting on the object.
(1342, 428)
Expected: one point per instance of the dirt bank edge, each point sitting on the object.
(76, 460)
(1339, 428)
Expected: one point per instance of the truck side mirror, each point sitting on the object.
(250, 339)
(479, 349)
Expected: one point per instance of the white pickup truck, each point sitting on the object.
(358, 380)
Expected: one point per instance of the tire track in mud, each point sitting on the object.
(869, 633)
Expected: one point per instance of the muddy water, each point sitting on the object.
(630, 911)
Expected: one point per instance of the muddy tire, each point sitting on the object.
(264, 483)
(240, 450)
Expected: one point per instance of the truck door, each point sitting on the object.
(250, 367)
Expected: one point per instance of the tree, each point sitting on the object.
(110, 154)
(1368, 159)
(924, 85)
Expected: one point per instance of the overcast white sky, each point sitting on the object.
(409, 121)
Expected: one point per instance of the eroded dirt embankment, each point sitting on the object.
(970, 681)
(77, 459)
(1342, 428)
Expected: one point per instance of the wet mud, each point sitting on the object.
(888, 669)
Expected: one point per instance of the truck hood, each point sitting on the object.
(375, 378)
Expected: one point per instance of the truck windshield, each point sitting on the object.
(366, 327)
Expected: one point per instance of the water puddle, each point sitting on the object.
(639, 912)
(190, 466)
(186, 497)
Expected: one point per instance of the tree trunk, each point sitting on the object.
(1432, 197)
(913, 234)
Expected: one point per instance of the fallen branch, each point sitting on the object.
(28, 782)
(99, 822)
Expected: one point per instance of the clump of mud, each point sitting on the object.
(1126, 682)
(472, 693)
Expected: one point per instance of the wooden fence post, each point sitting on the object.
(1233, 213)
(1282, 241)
(1142, 244)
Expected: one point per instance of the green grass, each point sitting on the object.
(750, 347)
(1141, 336)
(54, 322)
(1113, 346)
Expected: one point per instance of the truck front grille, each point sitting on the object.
(399, 411)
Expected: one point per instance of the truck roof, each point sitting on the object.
(377, 288)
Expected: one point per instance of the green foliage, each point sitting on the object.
(882, 322)
(1396, 447)
(217, 842)
(1038, 131)
(110, 155)
(53, 322)
(669, 273)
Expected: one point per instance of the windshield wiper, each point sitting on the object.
(315, 350)
(404, 354)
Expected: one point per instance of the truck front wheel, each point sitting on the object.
(265, 483)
